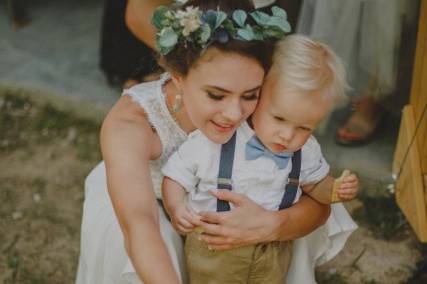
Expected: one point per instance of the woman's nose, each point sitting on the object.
(233, 111)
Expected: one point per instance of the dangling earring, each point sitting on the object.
(178, 102)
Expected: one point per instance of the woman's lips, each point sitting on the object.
(222, 127)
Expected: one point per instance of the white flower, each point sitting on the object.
(190, 25)
(182, 2)
(189, 19)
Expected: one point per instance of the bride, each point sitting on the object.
(125, 235)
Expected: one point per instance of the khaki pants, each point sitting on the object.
(260, 263)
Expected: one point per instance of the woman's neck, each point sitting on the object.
(181, 115)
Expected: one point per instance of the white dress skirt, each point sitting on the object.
(103, 259)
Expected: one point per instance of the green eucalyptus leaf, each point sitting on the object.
(279, 12)
(246, 33)
(258, 33)
(280, 23)
(167, 38)
(159, 16)
(260, 18)
(239, 16)
(220, 18)
(205, 33)
(273, 33)
(166, 50)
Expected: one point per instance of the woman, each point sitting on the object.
(135, 240)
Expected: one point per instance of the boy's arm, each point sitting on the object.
(330, 190)
(321, 191)
(183, 219)
(173, 194)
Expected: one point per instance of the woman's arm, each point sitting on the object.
(128, 144)
(138, 19)
(249, 223)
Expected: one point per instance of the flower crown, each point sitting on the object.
(193, 26)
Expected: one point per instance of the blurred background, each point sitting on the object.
(63, 64)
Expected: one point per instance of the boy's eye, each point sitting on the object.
(215, 97)
(251, 97)
(304, 128)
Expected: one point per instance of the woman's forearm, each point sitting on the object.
(148, 253)
(301, 219)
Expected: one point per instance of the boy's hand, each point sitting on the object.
(183, 219)
(349, 187)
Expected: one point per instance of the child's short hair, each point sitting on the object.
(305, 65)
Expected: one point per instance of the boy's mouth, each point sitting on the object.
(279, 148)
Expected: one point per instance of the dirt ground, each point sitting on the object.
(46, 154)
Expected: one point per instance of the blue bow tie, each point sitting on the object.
(254, 150)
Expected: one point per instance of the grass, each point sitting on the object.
(381, 214)
(22, 122)
(46, 153)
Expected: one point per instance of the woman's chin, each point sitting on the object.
(219, 138)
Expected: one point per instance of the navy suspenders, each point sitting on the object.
(225, 171)
(292, 183)
(226, 168)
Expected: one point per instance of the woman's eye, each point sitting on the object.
(215, 97)
(251, 97)
(278, 118)
(304, 128)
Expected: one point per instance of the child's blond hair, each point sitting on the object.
(301, 64)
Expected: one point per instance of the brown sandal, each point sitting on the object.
(362, 124)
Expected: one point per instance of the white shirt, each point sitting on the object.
(195, 167)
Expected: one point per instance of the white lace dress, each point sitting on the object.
(103, 259)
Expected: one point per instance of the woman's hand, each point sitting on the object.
(248, 223)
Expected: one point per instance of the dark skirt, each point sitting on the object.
(122, 55)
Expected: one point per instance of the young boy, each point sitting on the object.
(270, 159)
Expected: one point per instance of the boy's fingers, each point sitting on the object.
(348, 187)
(350, 178)
(193, 217)
(185, 224)
(346, 195)
(183, 230)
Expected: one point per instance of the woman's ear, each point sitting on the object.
(178, 80)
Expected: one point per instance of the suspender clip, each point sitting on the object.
(293, 181)
(225, 181)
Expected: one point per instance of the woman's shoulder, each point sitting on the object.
(127, 126)
(144, 92)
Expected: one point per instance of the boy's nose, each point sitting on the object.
(287, 133)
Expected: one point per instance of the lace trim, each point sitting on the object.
(151, 98)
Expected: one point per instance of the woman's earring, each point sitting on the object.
(178, 102)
